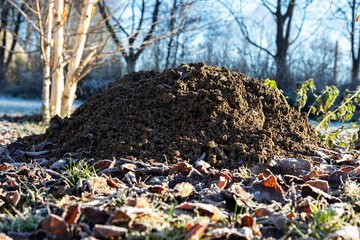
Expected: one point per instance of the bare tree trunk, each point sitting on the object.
(3, 26)
(15, 36)
(355, 73)
(130, 64)
(336, 58)
(57, 61)
(68, 96)
(45, 95)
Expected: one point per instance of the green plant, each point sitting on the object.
(20, 223)
(243, 171)
(352, 190)
(301, 93)
(272, 85)
(34, 195)
(322, 221)
(77, 171)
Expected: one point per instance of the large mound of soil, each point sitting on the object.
(182, 113)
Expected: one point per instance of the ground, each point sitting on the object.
(195, 152)
(126, 198)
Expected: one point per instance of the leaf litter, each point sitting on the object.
(293, 196)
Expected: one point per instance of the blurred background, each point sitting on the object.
(288, 41)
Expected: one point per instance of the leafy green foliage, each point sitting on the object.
(346, 109)
(301, 93)
(272, 85)
(78, 171)
(322, 104)
(21, 223)
(323, 221)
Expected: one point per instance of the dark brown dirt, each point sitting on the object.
(182, 113)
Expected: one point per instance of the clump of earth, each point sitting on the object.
(183, 114)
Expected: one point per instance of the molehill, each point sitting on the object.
(181, 114)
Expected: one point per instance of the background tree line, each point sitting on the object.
(63, 49)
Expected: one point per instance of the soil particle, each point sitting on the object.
(182, 113)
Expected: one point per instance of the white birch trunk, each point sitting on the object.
(68, 96)
(57, 61)
(47, 70)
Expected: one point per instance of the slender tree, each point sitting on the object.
(283, 14)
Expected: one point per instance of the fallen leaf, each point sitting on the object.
(204, 210)
(267, 190)
(308, 190)
(129, 215)
(3, 236)
(292, 166)
(142, 202)
(128, 167)
(103, 164)
(14, 197)
(115, 182)
(320, 184)
(71, 214)
(347, 232)
(55, 225)
(279, 221)
(95, 215)
(5, 166)
(97, 184)
(183, 190)
(244, 233)
(196, 231)
(181, 167)
(221, 183)
(262, 212)
(160, 189)
(109, 231)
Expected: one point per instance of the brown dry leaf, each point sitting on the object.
(292, 166)
(128, 215)
(3, 236)
(55, 225)
(128, 167)
(115, 182)
(204, 210)
(160, 189)
(180, 167)
(202, 166)
(240, 195)
(183, 189)
(320, 184)
(142, 202)
(338, 177)
(310, 175)
(221, 183)
(262, 212)
(71, 214)
(196, 231)
(104, 164)
(5, 166)
(13, 183)
(279, 221)
(268, 190)
(244, 233)
(308, 190)
(109, 231)
(347, 169)
(98, 184)
(14, 197)
(245, 221)
(96, 215)
(304, 206)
